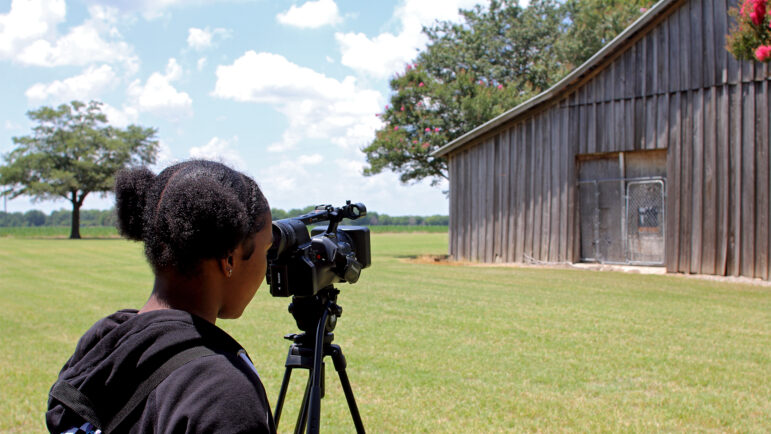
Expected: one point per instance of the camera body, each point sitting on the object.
(300, 263)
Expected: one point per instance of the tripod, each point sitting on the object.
(308, 351)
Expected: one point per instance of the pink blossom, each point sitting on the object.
(421, 84)
(500, 86)
(396, 128)
(377, 115)
(409, 67)
(436, 130)
(763, 53)
(386, 107)
(758, 12)
(414, 142)
(481, 82)
(643, 10)
(425, 145)
(402, 108)
(420, 103)
(428, 130)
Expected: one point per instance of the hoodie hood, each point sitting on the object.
(120, 351)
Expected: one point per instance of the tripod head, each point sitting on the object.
(307, 310)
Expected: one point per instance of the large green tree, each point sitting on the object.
(469, 73)
(498, 56)
(73, 152)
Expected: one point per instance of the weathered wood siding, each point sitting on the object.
(513, 194)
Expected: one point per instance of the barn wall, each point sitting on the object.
(513, 194)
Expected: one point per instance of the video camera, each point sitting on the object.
(301, 264)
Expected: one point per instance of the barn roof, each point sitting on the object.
(643, 24)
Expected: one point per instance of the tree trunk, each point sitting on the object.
(75, 228)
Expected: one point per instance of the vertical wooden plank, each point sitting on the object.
(631, 71)
(460, 183)
(521, 201)
(761, 169)
(512, 204)
(628, 138)
(639, 71)
(503, 195)
(686, 178)
(639, 124)
(650, 122)
(546, 181)
(554, 187)
(619, 77)
(479, 191)
(685, 47)
(499, 179)
(453, 174)
(490, 200)
(662, 121)
(748, 181)
(530, 195)
(654, 36)
(476, 193)
(537, 177)
(646, 44)
(709, 229)
(720, 26)
(673, 211)
(697, 180)
(662, 57)
(710, 51)
(573, 238)
(724, 181)
(735, 195)
(675, 53)
(563, 161)
(696, 45)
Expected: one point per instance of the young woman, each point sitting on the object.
(206, 230)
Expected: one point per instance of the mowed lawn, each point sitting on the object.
(438, 348)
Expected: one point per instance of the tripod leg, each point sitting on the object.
(339, 359)
(302, 416)
(282, 395)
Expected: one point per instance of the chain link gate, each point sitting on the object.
(623, 220)
(645, 222)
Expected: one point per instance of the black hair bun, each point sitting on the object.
(131, 188)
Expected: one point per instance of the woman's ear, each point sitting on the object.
(226, 264)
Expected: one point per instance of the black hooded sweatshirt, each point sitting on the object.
(212, 394)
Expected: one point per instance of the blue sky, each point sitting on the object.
(286, 91)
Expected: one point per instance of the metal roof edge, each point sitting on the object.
(633, 28)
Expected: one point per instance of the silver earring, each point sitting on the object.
(230, 272)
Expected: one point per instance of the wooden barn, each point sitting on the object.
(655, 151)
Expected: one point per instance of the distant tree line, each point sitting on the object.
(63, 217)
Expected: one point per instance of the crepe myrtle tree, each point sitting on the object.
(73, 152)
(470, 72)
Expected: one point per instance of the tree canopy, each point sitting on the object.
(71, 153)
(497, 57)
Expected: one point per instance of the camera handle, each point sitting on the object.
(308, 352)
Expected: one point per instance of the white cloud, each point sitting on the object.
(311, 15)
(386, 53)
(317, 106)
(222, 150)
(122, 117)
(84, 87)
(97, 40)
(158, 96)
(27, 21)
(201, 63)
(200, 39)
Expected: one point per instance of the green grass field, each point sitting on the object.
(438, 348)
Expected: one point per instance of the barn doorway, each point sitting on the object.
(622, 207)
